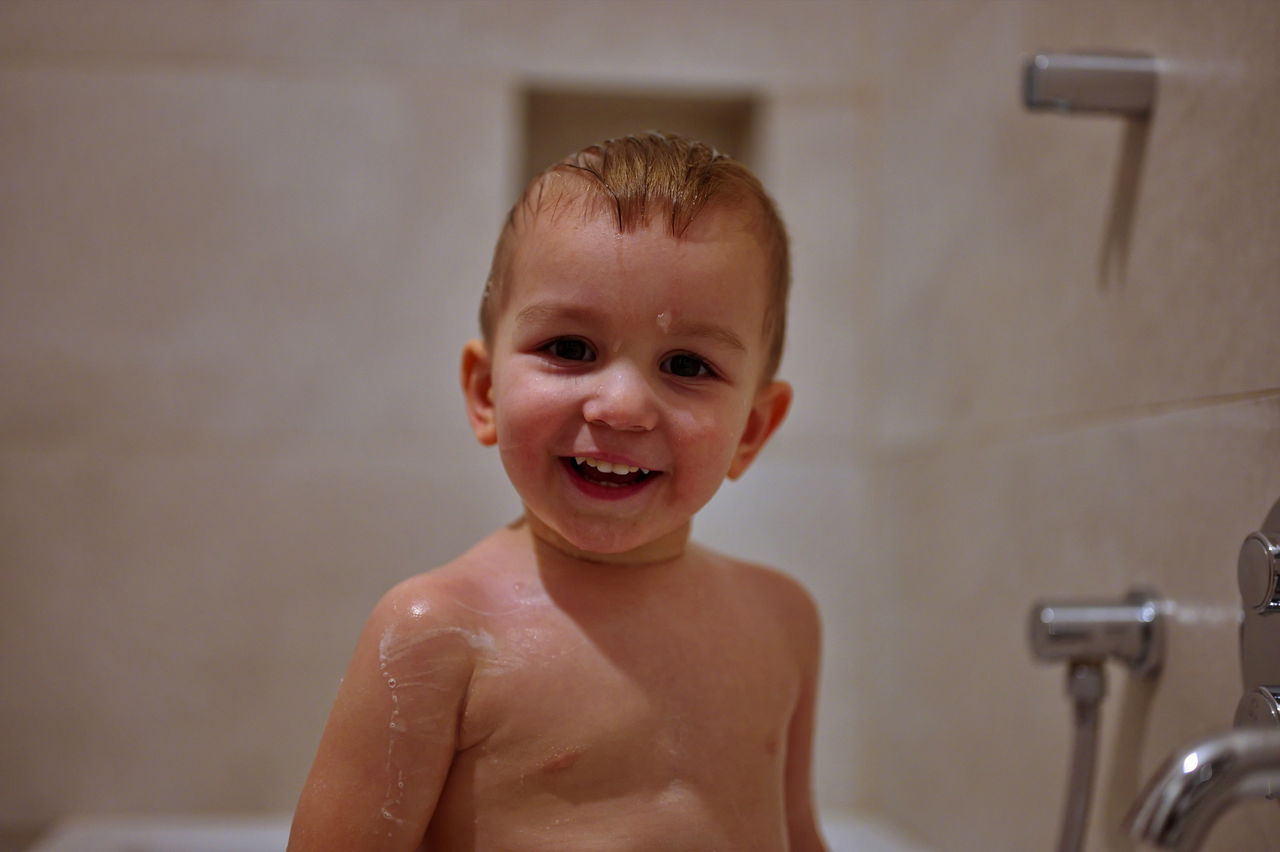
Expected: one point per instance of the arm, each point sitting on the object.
(801, 826)
(386, 750)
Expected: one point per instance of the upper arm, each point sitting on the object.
(802, 623)
(390, 739)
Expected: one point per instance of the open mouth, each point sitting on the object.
(608, 475)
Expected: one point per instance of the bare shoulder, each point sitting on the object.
(779, 594)
(446, 605)
(393, 731)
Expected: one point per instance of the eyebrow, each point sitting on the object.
(708, 331)
(543, 311)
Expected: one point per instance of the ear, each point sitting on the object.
(477, 390)
(767, 413)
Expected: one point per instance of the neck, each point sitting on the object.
(550, 545)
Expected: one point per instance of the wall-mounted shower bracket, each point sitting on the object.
(1084, 634)
(1123, 83)
(1130, 630)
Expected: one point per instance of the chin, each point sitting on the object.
(605, 542)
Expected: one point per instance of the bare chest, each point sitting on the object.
(634, 717)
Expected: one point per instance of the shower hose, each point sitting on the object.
(1086, 685)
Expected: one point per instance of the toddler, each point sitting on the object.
(588, 678)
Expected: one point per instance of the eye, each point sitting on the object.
(570, 349)
(687, 367)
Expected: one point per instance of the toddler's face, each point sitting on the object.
(624, 378)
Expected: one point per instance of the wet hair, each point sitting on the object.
(635, 179)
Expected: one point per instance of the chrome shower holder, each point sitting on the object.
(1085, 634)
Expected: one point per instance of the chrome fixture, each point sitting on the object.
(1258, 573)
(1111, 84)
(1196, 786)
(1123, 83)
(1129, 630)
(1182, 802)
(1258, 708)
(1084, 633)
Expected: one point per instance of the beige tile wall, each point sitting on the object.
(241, 245)
(243, 248)
(1049, 430)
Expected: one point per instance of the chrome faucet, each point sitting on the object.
(1196, 786)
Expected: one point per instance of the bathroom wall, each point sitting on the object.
(1058, 415)
(242, 243)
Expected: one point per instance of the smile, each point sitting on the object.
(608, 475)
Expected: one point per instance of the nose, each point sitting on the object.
(622, 399)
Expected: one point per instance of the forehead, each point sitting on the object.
(572, 245)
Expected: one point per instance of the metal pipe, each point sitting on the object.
(1087, 686)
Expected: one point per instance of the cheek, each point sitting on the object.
(708, 435)
(529, 407)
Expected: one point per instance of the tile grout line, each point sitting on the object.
(982, 435)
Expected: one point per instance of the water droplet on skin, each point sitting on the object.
(391, 682)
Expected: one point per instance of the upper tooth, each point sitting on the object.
(607, 467)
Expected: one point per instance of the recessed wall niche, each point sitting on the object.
(559, 121)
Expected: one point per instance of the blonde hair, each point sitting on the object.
(638, 177)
